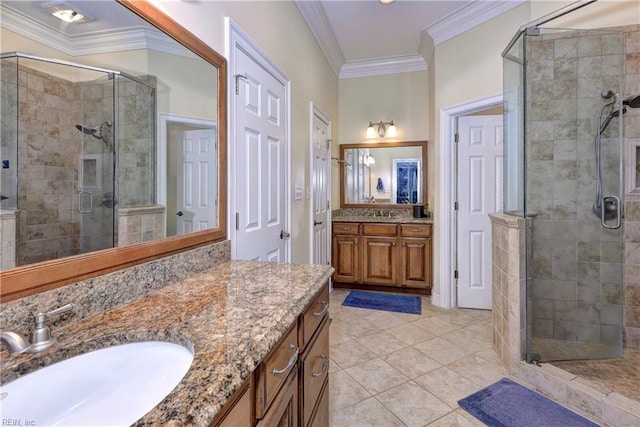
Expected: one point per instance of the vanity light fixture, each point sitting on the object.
(382, 129)
(370, 160)
(66, 13)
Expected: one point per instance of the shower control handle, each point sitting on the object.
(611, 205)
(81, 207)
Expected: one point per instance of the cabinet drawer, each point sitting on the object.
(315, 370)
(415, 230)
(379, 229)
(274, 370)
(312, 317)
(350, 228)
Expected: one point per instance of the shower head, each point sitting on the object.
(607, 94)
(102, 132)
(633, 101)
(612, 115)
(87, 130)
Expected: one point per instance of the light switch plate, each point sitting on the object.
(297, 195)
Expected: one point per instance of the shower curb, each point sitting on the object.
(582, 396)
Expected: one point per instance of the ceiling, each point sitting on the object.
(358, 37)
(114, 28)
(365, 37)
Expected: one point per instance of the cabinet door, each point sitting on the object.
(284, 411)
(380, 260)
(239, 412)
(314, 372)
(345, 259)
(415, 263)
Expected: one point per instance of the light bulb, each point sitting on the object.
(392, 131)
(371, 132)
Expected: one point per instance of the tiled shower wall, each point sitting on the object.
(576, 290)
(566, 74)
(632, 211)
(136, 138)
(47, 225)
(45, 109)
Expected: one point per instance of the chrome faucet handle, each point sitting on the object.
(41, 338)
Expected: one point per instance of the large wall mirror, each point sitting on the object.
(389, 174)
(113, 142)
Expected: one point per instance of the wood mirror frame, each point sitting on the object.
(31, 279)
(375, 145)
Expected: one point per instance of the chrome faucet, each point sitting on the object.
(15, 343)
(41, 338)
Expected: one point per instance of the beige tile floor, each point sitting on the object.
(394, 369)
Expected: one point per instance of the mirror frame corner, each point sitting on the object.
(31, 279)
(389, 144)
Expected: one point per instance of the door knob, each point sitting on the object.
(179, 213)
(317, 222)
(284, 235)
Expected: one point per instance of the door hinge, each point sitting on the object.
(237, 77)
(456, 137)
(455, 274)
(455, 206)
(237, 221)
(328, 204)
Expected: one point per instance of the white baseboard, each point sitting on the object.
(435, 300)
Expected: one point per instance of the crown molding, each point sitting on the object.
(467, 17)
(318, 23)
(132, 38)
(426, 48)
(378, 67)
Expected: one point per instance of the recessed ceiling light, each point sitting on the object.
(66, 13)
(386, 1)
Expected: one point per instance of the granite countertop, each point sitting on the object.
(381, 219)
(231, 316)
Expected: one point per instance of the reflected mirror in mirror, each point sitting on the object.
(391, 173)
(109, 133)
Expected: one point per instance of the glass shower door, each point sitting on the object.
(96, 170)
(573, 187)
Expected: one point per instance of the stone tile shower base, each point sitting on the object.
(620, 375)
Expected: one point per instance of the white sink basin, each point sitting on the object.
(112, 386)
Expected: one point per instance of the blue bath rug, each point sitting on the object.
(388, 302)
(507, 404)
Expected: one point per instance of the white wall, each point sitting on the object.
(400, 97)
(279, 29)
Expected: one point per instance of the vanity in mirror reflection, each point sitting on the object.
(113, 141)
(391, 174)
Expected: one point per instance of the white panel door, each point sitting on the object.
(261, 170)
(480, 153)
(197, 186)
(320, 188)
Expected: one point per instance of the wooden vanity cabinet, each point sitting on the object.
(345, 252)
(415, 255)
(393, 255)
(380, 254)
(290, 385)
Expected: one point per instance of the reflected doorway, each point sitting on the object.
(187, 173)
